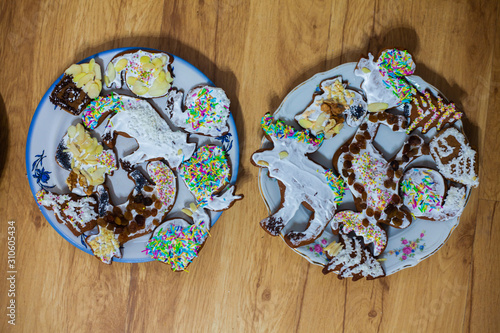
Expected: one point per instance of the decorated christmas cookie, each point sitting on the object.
(86, 160)
(301, 180)
(330, 102)
(176, 242)
(104, 245)
(427, 111)
(79, 214)
(373, 180)
(147, 74)
(147, 204)
(385, 85)
(95, 113)
(206, 174)
(139, 120)
(206, 110)
(455, 159)
(349, 259)
(424, 192)
(80, 84)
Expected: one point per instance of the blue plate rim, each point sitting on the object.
(37, 113)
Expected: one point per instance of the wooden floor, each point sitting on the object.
(245, 280)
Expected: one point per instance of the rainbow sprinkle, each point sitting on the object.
(372, 173)
(371, 233)
(107, 159)
(176, 245)
(283, 131)
(98, 107)
(206, 111)
(421, 193)
(164, 179)
(396, 62)
(206, 172)
(337, 185)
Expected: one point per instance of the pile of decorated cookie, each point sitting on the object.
(388, 193)
(87, 152)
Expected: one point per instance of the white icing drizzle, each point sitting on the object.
(304, 181)
(206, 110)
(221, 201)
(77, 213)
(462, 168)
(354, 260)
(155, 138)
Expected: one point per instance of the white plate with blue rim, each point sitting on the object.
(49, 124)
(405, 247)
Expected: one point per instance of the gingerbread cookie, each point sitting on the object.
(104, 245)
(139, 120)
(206, 110)
(80, 84)
(424, 192)
(427, 111)
(176, 242)
(330, 102)
(349, 259)
(206, 174)
(147, 204)
(455, 159)
(373, 180)
(79, 214)
(86, 160)
(98, 109)
(384, 81)
(301, 180)
(147, 74)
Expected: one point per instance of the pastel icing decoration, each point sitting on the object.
(176, 242)
(427, 111)
(104, 245)
(301, 180)
(79, 214)
(349, 221)
(206, 110)
(147, 74)
(373, 180)
(139, 120)
(206, 174)
(86, 160)
(424, 192)
(384, 81)
(352, 260)
(98, 109)
(455, 159)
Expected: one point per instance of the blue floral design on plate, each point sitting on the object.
(227, 141)
(41, 175)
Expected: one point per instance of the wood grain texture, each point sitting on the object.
(245, 280)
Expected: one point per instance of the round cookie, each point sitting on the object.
(206, 174)
(206, 110)
(423, 191)
(147, 74)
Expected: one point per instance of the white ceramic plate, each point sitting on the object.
(406, 247)
(50, 123)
